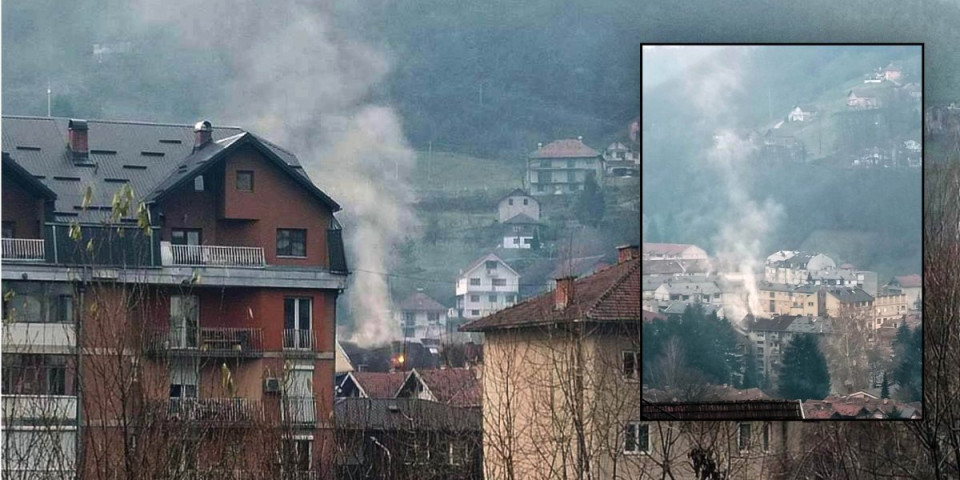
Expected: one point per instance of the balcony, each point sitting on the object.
(24, 334)
(215, 410)
(211, 255)
(214, 342)
(299, 340)
(299, 410)
(23, 249)
(40, 409)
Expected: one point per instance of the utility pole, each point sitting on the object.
(49, 91)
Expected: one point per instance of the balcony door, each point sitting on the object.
(183, 386)
(186, 245)
(300, 406)
(297, 316)
(184, 318)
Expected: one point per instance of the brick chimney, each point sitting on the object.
(202, 134)
(627, 252)
(77, 130)
(564, 293)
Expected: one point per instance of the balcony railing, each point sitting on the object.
(219, 410)
(211, 341)
(299, 409)
(43, 409)
(295, 339)
(23, 249)
(211, 255)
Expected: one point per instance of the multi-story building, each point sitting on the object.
(420, 317)
(768, 336)
(795, 268)
(169, 301)
(891, 306)
(788, 299)
(847, 302)
(673, 251)
(486, 286)
(562, 167)
(912, 287)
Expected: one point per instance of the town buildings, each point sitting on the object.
(151, 281)
(768, 336)
(795, 267)
(620, 160)
(562, 167)
(486, 286)
(673, 251)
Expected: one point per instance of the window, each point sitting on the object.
(296, 455)
(433, 317)
(499, 282)
(743, 439)
(511, 298)
(186, 236)
(65, 309)
(297, 314)
(526, 201)
(773, 306)
(539, 188)
(32, 374)
(475, 298)
(766, 437)
(184, 317)
(474, 312)
(245, 180)
(636, 438)
(510, 202)
(492, 298)
(475, 282)
(571, 163)
(409, 319)
(198, 183)
(491, 264)
(291, 242)
(630, 367)
(458, 453)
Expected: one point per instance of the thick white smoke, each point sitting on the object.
(715, 88)
(302, 83)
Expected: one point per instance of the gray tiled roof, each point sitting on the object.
(847, 295)
(144, 155)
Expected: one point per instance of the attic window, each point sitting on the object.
(165, 140)
(28, 148)
(135, 167)
(510, 201)
(491, 264)
(152, 154)
(67, 179)
(103, 152)
(245, 180)
(526, 201)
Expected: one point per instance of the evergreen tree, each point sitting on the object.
(590, 207)
(894, 413)
(885, 387)
(535, 244)
(908, 372)
(750, 379)
(804, 374)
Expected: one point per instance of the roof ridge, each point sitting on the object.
(615, 284)
(120, 122)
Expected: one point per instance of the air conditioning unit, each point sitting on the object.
(271, 385)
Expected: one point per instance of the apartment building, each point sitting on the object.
(788, 299)
(169, 302)
(421, 317)
(486, 286)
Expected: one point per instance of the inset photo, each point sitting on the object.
(782, 236)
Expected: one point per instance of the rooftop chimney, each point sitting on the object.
(78, 139)
(202, 133)
(580, 138)
(563, 295)
(627, 252)
(539, 145)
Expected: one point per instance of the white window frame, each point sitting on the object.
(636, 364)
(636, 432)
(744, 448)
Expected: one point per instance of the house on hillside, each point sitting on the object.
(421, 317)
(202, 281)
(517, 202)
(521, 231)
(860, 101)
(796, 268)
(892, 73)
(562, 167)
(620, 160)
(486, 286)
(803, 113)
(912, 287)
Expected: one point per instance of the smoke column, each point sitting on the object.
(745, 223)
(299, 81)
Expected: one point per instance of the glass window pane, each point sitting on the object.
(630, 438)
(643, 438)
(305, 313)
(289, 313)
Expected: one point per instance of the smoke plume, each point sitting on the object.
(302, 82)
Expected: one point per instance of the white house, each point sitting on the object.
(486, 286)
(698, 292)
(519, 231)
(620, 160)
(672, 251)
(802, 113)
(420, 317)
(517, 202)
(796, 268)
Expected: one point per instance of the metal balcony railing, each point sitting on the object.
(299, 409)
(23, 249)
(220, 410)
(295, 339)
(43, 409)
(207, 341)
(215, 255)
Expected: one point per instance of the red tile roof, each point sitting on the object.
(855, 407)
(420, 302)
(454, 386)
(566, 148)
(611, 294)
(379, 384)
